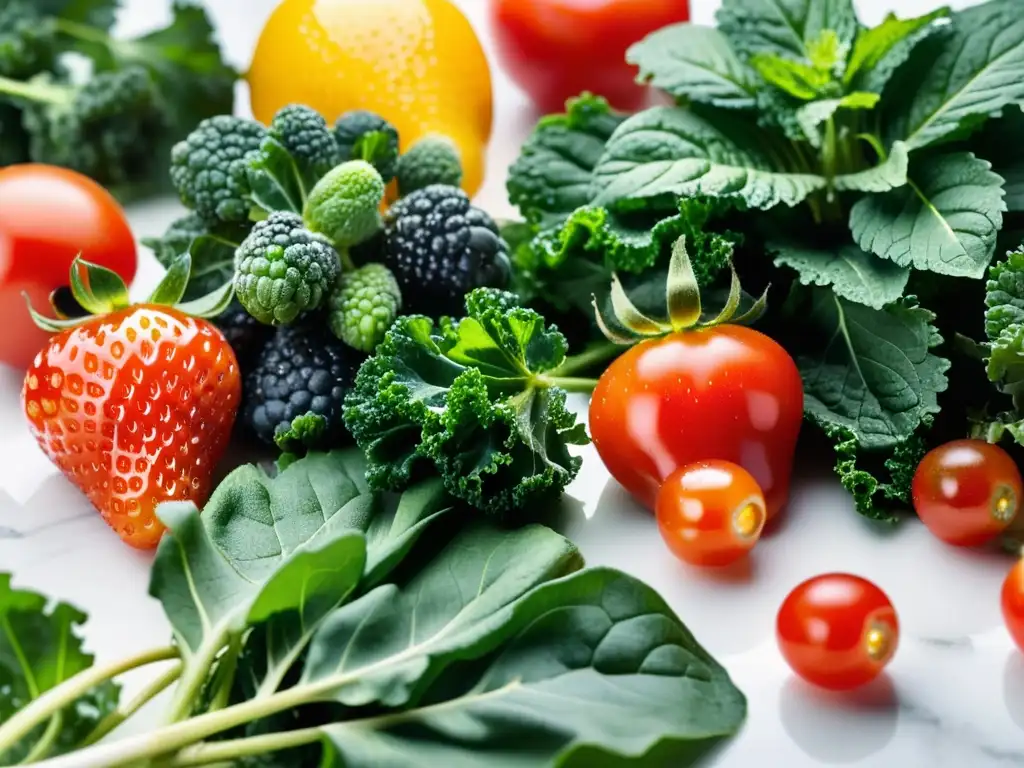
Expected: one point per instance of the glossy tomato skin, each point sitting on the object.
(710, 513)
(837, 630)
(555, 49)
(727, 392)
(1013, 603)
(48, 216)
(967, 491)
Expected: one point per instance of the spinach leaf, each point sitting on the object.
(40, 648)
(694, 63)
(552, 175)
(1000, 143)
(812, 116)
(593, 663)
(852, 274)
(870, 371)
(879, 51)
(891, 173)
(786, 28)
(945, 220)
(954, 81)
(665, 153)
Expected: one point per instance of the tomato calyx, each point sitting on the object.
(1004, 504)
(748, 520)
(96, 290)
(878, 641)
(683, 303)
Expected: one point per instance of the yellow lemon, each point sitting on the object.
(416, 63)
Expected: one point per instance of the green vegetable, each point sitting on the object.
(310, 613)
(365, 136)
(431, 160)
(210, 167)
(28, 40)
(212, 250)
(345, 204)
(364, 305)
(101, 128)
(283, 269)
(480, 400)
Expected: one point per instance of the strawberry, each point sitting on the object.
(135, 403)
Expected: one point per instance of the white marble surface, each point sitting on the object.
(953, 695)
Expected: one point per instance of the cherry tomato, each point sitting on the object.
(710, 512)
(49, 215)
(837, 631)
(725, 392)
(554, 49)
(967, 491)
(1013, 603)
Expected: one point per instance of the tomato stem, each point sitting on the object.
(568, 383)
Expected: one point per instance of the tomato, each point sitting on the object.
(1013, 603)
(725, 392)
(554, 49)
(967, 491)
(837, 631)
(710, 512)
(49, 215)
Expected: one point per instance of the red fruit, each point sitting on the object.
(837, 631)
(710, 513)
(135, 406)
(967, 491)
(1012, 599)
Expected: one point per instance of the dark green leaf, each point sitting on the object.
(274, 179)
(552, 176)
(213, 263)
(955, 81)
(945, 220)
(880, 50)
(891, 173)
(1004, 295)
(96, 13)
(590, 666)
(786, 28)
(852, 274)
(40, 648)
(1000, 143)
(664, 153)
(870, 371)
(171, 287)
(212, 305)
(694, 63)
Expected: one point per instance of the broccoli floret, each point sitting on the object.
(304, 133)
(363, 135)
(345, 204)
(101, 128)
(474, 399)
(209, 168)
(364, 305)
(431, 160)
(28, 39)
(282, 269)
(439, 248)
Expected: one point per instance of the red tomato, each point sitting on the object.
(967, 491)
(554, 49)
(711, 512)
(49, 215)
(1013, 603)
(837, 631)
(726, 392)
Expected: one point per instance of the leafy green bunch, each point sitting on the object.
(315, 622)
(116, 122)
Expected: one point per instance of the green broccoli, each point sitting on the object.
(298, 150)
(282, 269)
(431, 160)
(480, 399)
(345, 204)
(101, 128)
(210, 167)
(364, 305)
(28, 39)
(365, 136)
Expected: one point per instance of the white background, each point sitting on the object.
(954, 694)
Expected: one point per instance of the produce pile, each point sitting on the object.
(821, 230)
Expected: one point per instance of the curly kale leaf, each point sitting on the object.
(1004, 294)
(879, 480)
(551, 178)
(470, 399)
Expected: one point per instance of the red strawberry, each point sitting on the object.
(136, 404)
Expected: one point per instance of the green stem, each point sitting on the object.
(57, 698)
(226, 669)
(568, 383)
(588, 358)
(347, 265)
(150, 692)
(195, 673)
(38, 92)
(207, 754)
(45, 744)
(82, 31)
